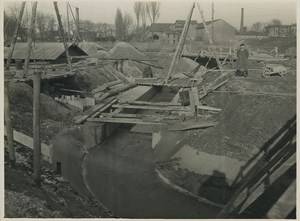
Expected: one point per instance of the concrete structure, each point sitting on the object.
(223, 31)
(281, 30)
(77, 101)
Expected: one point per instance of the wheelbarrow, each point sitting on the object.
(274, 69)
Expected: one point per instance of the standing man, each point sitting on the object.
(147, 72)
(242, 61)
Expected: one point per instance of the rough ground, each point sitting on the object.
(55, 198)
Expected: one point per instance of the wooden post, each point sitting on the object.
(76, 28)
(30, 37)
(14, 39)
(62, 34)
(180, 44)
(68, 23)
(8, 126)
(193, 108)
(212, 19)
(78, 23)
(209, 37)
(36, 128)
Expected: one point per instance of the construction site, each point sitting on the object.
(122, 130)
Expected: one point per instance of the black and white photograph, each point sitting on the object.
(149, 109)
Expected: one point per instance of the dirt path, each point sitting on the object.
(121, 175)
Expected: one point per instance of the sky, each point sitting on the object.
(230, 11)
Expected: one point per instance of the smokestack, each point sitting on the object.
(242, 20)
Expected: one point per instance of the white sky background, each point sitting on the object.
(104, 11)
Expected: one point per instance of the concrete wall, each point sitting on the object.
(77, 101)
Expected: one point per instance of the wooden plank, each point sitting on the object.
(196, 96)
(15, 35)
(151, 103)
(30, 34)
(139, 116)
(163, 108)
(143, 107)
(19, 137)
(116, 91)
(191, 126)
(103, 109)
(134, 93)
(93, 110)
(124, 121)
(179, 48)
(105, 86)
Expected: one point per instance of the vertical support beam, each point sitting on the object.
(193, 108)
(78, 23)
(8, 125)
(14, 39)
(30, 34)
(180, 44)
(212, 19)
(36, 128)
(209, 38)
(68, 23)
(76, 27)
(62, 34)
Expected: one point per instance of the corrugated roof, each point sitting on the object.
(40, 51)
(183, 21)
(200, 25)
(90, 48)
(160, 27)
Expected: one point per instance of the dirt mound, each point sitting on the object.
(123, 50)
(92, 78)
(21, 98)
(246, 122)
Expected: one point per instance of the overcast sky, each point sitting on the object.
(104, 11)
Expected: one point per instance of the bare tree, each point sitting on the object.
(144, 14)
(152, 9)
(257, 26)
(45, 25)
(127, 21)
(137, 10)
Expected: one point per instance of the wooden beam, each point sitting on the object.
(8, 124)
(105, 86)
(15, 35)
(36, 128)
(209, 37)
(124, 121)
(62, 34)
(30, 35)
(179, 48)
(151, 103)
(192, 126)
(104, 108)
(139, 116)
(93, 110)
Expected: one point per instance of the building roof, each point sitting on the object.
(160, 27)
(183, 21)
(201, 25)
(40, 51)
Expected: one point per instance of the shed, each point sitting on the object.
(51, 52)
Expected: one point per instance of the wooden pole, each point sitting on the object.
(212, 19)
(180, 44)
(68, 23)
(209, 38)
(78, 23)
(62, 34)
(30, 34)
(14, 39)
(76, 28)
(36, 128)
(8, 125)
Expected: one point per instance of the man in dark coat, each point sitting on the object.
(242, 61)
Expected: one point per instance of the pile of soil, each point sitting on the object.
(54, 199)
(54, 116)
(123, 50)
(246, 122)
(93, 77)
(164, 60)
